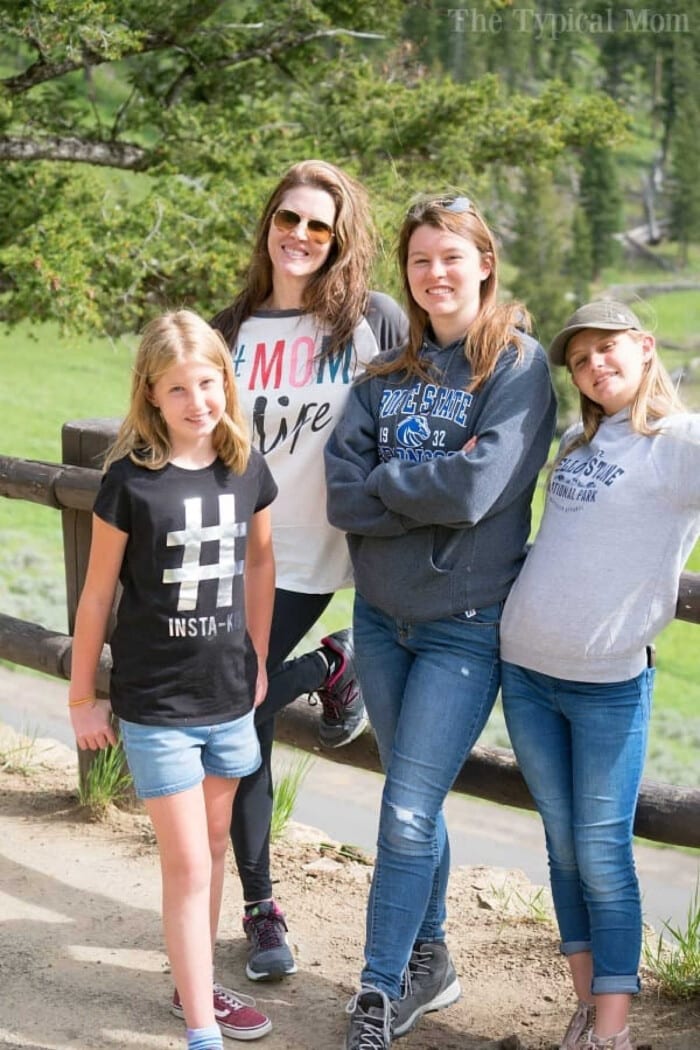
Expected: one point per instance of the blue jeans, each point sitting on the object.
(429, 688)
(581, 747)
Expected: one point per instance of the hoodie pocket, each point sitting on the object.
(453, 549)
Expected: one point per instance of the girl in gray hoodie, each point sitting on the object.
(430, 471)
(622, 516)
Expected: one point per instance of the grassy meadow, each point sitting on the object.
(48, 380)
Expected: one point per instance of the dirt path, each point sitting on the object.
(82, 964)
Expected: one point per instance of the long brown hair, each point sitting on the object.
(655, 399)
(496, 325)
(165, 341)
(336, 295)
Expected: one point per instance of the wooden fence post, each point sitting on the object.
(84, 443)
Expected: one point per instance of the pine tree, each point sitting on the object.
(685, 152)
(540, 253)
(579, 263)
(601, 201)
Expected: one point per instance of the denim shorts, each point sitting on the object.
(164, 760)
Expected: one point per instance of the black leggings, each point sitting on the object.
(294, 614)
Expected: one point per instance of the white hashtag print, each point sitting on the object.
(191, 538)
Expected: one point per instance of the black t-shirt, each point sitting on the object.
(180, 651)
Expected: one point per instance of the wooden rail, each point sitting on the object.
(665, 813)
(74, 488)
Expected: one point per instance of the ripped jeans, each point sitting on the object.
(429, 689)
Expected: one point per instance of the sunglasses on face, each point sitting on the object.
(286, 220)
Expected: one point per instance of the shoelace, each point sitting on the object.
(234, 1000)
(594, 1044)
(375, 1033)
(418, 965)
(266, 932)
(335, 702)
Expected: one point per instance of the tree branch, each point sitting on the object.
(270, 51)
(42, 71)
(80, 151)
(286, 43)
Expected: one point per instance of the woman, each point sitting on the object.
(622, 516)
(303, 325)
(431, 471)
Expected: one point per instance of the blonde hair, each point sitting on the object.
(495, 327)
(655, 399)
(336, 294)
(168, 340)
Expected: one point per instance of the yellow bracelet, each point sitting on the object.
(85, 700)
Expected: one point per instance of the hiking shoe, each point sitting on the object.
(429, 983)
(344, 716)
(580, 1023)
(591, 1041)
(371, 1020)
(269, 955)
(235, 1014)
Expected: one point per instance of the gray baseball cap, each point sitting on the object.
(603, 313)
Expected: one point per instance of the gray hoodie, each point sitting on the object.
(433, 530)
(601, 580)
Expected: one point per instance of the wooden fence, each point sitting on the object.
(665, 813)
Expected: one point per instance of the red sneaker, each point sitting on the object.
(235, 1014)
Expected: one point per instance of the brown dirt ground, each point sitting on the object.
(82, 963)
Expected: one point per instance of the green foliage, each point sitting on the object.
(685, 151)
(137, 142)
(602, 204)
(579, 262)
(676, 964)
(539, 252)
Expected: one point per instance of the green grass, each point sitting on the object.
(107, 781)
(674, 960)
(288, 782)
(49, 380)
(21, 755)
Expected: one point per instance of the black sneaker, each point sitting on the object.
(344, 716)
(371, 1020)
(429, 983)
(269, 955)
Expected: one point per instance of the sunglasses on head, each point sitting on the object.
(455, 204)
(286, 220)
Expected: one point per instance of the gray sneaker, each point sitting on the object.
(344, 717)
(371, 1020)
(269, 955)
(429, 983)
(580, 1023)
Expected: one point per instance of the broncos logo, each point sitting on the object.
(413, 432)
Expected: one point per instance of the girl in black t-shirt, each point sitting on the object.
(182, 522)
